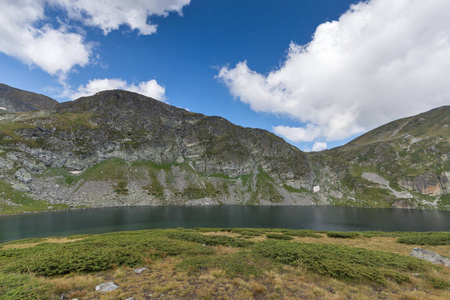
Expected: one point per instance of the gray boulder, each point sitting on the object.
(106, 287)
(430, 256)
(23, 175)
(20, 187)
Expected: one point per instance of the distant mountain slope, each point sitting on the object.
(15, 100)
(411, 154)
(435, 122)
(121, 148)
(181, 155)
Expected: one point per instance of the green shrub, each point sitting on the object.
(22, 286)
(425, 238)
(202, 229)
(276, 236)
(301, 233)
(96, 253)
(370, 234)
(343, 234)
(438, 283)
(341, 261)
(213, 240)
(237, 264)
(249, 231)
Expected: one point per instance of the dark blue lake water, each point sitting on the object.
(102, 220)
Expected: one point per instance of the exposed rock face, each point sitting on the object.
(427, 184)
(134, 127)
(430, 256)
(405, 204)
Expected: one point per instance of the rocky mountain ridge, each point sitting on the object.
(121, 148)
(15, 100)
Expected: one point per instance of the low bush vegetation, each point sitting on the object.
(95, 253)
(343, 262)
(190, 262)
(214, 240)
(343, 234)
(301, 233)
(276, 236)
(425, 238)
(23, 286)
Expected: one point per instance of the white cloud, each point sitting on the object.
(110, 14)
(381, 60)
(148, 88)
(319, 146)
(298, 134)
(55, 51)
(27, 33)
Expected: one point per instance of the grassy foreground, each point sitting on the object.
(239, 263)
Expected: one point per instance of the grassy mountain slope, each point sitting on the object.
(411, 154)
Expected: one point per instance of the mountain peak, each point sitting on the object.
(16, 100)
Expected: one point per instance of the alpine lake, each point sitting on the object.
(102, 220)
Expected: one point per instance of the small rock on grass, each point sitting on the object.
(139, 271)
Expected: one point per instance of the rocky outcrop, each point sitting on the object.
(405, 204)
(427, 184)
(430, 256)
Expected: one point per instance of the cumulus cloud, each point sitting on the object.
(28, 33)
(148, 88)
(55, 51)
(319, 146)
(298, 134)
(110, 14)
(380, 61)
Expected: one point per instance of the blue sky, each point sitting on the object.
(316, 72)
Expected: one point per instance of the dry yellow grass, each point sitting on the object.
(47, 240)
(388, 244)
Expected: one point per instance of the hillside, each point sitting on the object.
(120, 148)
(405, 163)
(15, 100)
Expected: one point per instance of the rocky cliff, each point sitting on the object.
(121, 148)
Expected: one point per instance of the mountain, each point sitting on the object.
(405, 163)
(15, 100)
(120, 148)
